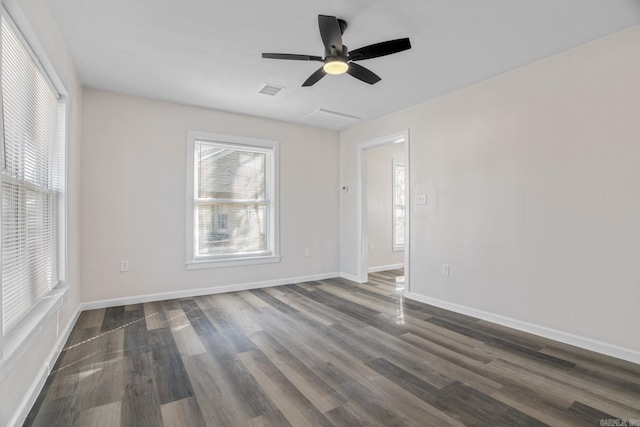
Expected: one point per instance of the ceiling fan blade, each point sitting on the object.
(313, 78)
(364, 74)
(292, 56)
(380, 49)
(331, 33)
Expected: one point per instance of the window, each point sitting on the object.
(33, 198)
(398, 205)
(232, 205)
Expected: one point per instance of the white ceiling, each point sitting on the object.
(207, 52)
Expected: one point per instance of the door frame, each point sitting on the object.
(362, 230)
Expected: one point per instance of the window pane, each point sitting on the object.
(399, 224)
(231, 228)
(30, 111)
(398, 204)
(224, 173)
(399, 185)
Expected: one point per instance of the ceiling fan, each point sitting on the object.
(337, 58)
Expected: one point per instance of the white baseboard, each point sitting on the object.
(30, 397)
(385, 267)
(563, 337)
(115, 302)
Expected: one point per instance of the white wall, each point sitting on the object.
(380, 205)
(533, 184)
(134, 197)
(21, 385)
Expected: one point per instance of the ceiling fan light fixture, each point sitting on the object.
(338, 59)
(335, 66)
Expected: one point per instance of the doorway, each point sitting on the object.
(384, 243)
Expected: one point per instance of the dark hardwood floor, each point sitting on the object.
(326, 353)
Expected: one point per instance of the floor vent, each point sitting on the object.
(329, 119)
(269, 89)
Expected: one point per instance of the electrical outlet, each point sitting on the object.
(422, 199)
(370, 247)
(307, 252)
(124, 265)
(446, 270)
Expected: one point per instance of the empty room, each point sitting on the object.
(300, 213)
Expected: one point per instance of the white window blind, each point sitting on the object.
(232, 199)
(33, 114)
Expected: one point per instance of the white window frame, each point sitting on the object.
(396, 247)
(16, 342)
(272, 254)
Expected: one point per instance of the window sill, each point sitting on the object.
(25, 332)
(234, 262)
(397, 248)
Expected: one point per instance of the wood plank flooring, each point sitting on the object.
(325, 353)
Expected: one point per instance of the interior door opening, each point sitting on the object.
(384, 219)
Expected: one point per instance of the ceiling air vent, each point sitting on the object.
(269, 89)
(329, 119)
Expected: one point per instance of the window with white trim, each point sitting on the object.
(233, 205)
(33, 180)
(398, 205)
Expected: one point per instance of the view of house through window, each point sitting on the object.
(233, 200)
